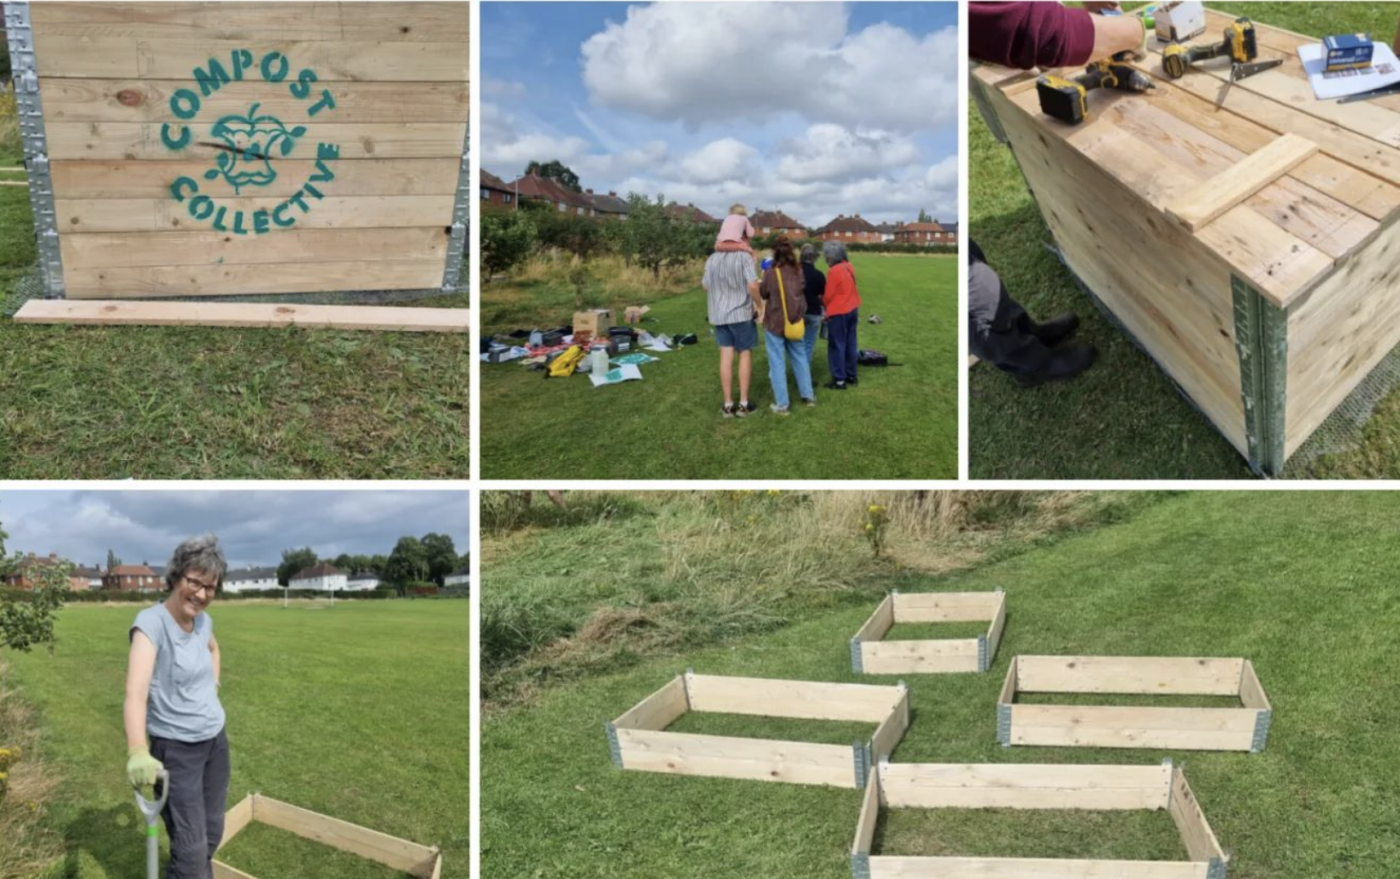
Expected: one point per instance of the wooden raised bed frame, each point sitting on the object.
(638, 739)
(1266, 307)
(1032, 786)
(398, 854)
(871, 655)
(1196, 729)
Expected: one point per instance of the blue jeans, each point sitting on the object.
(809, 340)
(841, 350)
(780, 349)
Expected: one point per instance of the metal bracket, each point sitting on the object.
(1261, 731)
(856, 665)
(863, 762)
(860, 865)
(1216, 869)
(1261, 341)
(1004, 724)
(461, 222)
(30, 106)
(614, 746)
(983, 660)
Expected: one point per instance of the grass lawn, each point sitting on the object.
(1301, 583)
(1124, 409)
(211, 403)
(901, 422)
(360, 713)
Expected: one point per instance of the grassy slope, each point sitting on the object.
(1187, 576)
(358, 712)
(900, 423)
(200, 403)
(1125, 409)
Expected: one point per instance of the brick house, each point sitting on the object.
(564, 199)
(848, 229)
(495, 192)
(85, 578)
(609, 206)
(689, 212)
(132, 578)
(26, 572)
(950, 233)
(927, 234)
(769, 223)
(887, 230)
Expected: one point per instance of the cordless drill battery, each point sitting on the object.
(1068, 99)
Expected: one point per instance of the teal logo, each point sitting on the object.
(249, 146)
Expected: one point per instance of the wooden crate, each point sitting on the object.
(1031, 786)
(1197, 729)
(399, 854)
(233, 148)
(1259, 274)
(871, 655)
(638, 739)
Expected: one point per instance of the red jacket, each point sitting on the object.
(1026, 35)
(840, 296)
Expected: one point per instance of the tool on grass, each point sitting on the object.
(1068, 99)
(151, 812)
(1240, 45)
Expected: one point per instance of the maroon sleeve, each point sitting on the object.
(1026, 35)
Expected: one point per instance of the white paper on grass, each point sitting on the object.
(658, 345)
(1384, 71)
(625, 373)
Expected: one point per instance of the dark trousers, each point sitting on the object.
(998, 329)
(194, 814)
(841, 349)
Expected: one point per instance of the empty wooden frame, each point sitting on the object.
(1199, 729)
(1033, 786)
(638, 739)
(871, 655)
(398, 854)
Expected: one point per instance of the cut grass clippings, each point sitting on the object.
(900, 422)
(1123, 419)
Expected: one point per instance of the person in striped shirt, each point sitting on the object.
(731, 293)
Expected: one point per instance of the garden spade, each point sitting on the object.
(151, 812)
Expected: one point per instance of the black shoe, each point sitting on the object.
(1066, 364)
(745, 409)
(852, 382)
(1056, 330)
(835, 386)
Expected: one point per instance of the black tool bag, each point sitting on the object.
(868, 357)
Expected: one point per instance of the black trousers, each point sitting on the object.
(194, 813)
(999, 330)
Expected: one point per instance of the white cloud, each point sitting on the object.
(700, 63)
(827, 151)
(723, 159)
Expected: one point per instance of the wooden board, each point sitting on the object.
(778, 698)
(919, 657)
(237, 818)
(869, 815)
(730, 757)
(891, 731)
(1199, 729)
(79, 179)
(1129, 674)
(229, 314)
(1251, 691)
(77, 216)
(399, 854)
(885, 867)
(1191, 821)
(879, 622)
(659, 710)
(142, 140)
(137, 249)
(1024, 786)
(226, 280)
(366, 22)
(929, 656)
(941, 607)
(224, 871)
(1215, 196)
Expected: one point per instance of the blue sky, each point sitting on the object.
(815, 108)
(253, 526)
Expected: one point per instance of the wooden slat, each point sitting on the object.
(151, 179)
(1129, 674)
(224, 871)
(726, 757)
(128, 100)
(879, 622)
(1219, 194)
(919, 657)
(406, 21)
(227, 280)
(888, 867)
(938, 607)
(237, 818)
(778, 698)
(142, 140)
(1251, 691)
(243, 314)
(1129, 737)
(891, 731)
(400, 854)
(76, 216)
(657, 711)
(1135, 717)
(1024, 786)
(125, 57)
(437, 867)
(1007, 696)
(1191, 821)
(134, 249)
(869, 814)
(994, 634)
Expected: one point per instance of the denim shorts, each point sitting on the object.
(742, 336)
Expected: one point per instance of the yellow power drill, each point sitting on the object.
(1068, 99)
(1240, 45)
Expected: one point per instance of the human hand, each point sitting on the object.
(141, 767)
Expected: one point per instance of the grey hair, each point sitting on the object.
(809, 253)
(200, 553)
(834, 252)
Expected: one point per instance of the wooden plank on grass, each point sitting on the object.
(1191, 821)
(994, 634)
(237, 818)
(891, 731)
(243, 314)
(886, 867)
(657, 711)
(879, 622)
(729, 757)
(1251, 691)
(224, 871)
(399, 854)
(919, 657)
(1008, 686)
(1219, 194)
(222, 280)
(1024, 786)
(1204, 729)
(390, 22)
(869, 814)
(1129, 674)
(944, 607)
(779, 698)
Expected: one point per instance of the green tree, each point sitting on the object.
(924, 217)
(556, 171)
(112, 560)
(407, 563)
(293, 562)
(377, 563)
(649, 233)
(507, 238)
(27, 618)
(442, 556)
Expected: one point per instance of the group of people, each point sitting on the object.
(791, 290)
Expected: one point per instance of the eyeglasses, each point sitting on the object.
(200, 586)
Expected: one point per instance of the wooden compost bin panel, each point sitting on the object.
(242, 148)
(639, 741)
(1200, 729)
(871, 655)
(1270, 313)
(1031, 786)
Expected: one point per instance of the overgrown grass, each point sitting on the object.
(1123, 419)
(1301, 583)
(25, 796)
(901, 422)
(360, 713)
(622, 576)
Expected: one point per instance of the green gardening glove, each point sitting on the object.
(141, 767)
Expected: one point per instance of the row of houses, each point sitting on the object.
(321, 577)
(495, 192)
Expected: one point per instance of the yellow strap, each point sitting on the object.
(782, 294)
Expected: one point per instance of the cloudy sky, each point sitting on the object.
(814, 108)
(253, 526)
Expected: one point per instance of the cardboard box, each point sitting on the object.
(1347, 51)
(595, 323)
(1179, 22)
